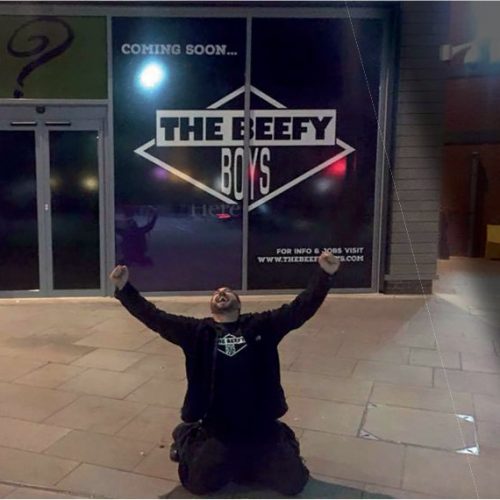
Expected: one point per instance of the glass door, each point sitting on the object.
(19, 232)
(74, 182)
(51, 200)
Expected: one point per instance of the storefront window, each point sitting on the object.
(179, 149)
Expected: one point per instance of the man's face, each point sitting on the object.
(224, 301)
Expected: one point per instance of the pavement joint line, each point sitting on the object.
(403, 468)
(17, 484)
(365, 411)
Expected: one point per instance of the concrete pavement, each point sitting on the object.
(389, 395)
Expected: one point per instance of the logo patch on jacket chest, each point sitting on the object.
(230, 345)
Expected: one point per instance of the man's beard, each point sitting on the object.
(225, 307)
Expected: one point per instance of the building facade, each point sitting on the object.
(204, 145)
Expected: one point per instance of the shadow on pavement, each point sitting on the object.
(314, 489)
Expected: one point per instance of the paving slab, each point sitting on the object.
(110, 483)
(318, 386)
(109, 359)
(50, 375)
(33, 468)
(32, 403)
(353, 458)
(29, 436)
(98, 449)
(104, 383)
(327, 416)
(96, 414)
(424, 398)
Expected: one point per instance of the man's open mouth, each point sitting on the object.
(221, 299)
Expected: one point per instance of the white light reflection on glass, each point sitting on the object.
(324, 184)
(55, 183)
(90, 183)
(152, 75)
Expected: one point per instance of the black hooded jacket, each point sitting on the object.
(198, 339)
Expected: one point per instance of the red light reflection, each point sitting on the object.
(338, 169)
(251, 172)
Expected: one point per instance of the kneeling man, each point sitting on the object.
(230, 429)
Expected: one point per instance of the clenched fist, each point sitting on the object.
(329, 262)
(119, 276)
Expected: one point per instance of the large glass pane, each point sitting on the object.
(314, 147)
(74, 182)
(19, 269)
(178, 104)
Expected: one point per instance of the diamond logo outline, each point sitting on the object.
(143, 152)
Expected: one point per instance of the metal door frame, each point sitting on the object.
(69, 118)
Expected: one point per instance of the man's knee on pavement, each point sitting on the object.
(206, 484)
(207, 471)
(290, 484)
(285, 473)
(294, 484)
(201, 481)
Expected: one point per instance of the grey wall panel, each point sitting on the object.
(419, 163)
(413, 173)
(418, 184)
(408, 259)
(419, 74)
(420, 107)
(416, 167)
(425, 39)
(424, 130)
(404, 248)
(418, 119)
(419, 52)
(421, 140)
(409, 206)
(430, 28)
(418, 152)
(415, 227)
(421, 195)
(408, 216)
(420, 5)
(421, 15)
(426, 63)
(410, 270)
(420, 85)
(422, 96)
(416, 237)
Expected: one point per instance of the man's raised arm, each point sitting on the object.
(176, 329)
(293, 315)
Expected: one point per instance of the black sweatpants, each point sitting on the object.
(207, 462)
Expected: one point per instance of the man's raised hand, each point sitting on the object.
(119, 276)
(329, 262)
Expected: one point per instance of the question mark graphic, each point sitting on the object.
(42, 43)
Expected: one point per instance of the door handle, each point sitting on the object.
(58, 124)
(23, 124)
